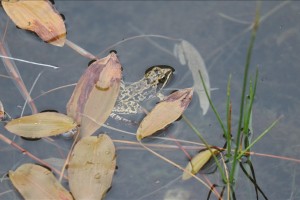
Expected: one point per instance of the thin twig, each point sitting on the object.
(179, 167)
(80, 50)
(54, 89)
(30, 62)
(5, 192)
(136, 37)
(160, 188)
(34, 83)
(24, 151)
(249, 28)
(275, 156)
(69, 154)
(12, 70)
(233, 19)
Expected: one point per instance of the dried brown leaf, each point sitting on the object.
(38, 16)
(165, 112)
(36, 182)
(41, 125)
(95, 94)
(197, 162)
(91, 167)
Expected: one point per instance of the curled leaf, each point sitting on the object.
(36, 182)
(2, 113)
(95, 94)
(41, 125)
(165, 112)
(197, 162)
(38, 16)
(91, 167)
(187, 53)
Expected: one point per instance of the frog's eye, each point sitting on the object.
(162, 80)
(167, 75)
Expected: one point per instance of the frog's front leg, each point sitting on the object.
(160, 96)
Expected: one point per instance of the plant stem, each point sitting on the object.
(212, 105)
(252, 94)
(228, 108)
(258, 138)
(207, 145)
(248, 60)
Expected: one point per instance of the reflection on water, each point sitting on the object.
(220, 33)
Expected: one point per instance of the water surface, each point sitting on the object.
(220, 32)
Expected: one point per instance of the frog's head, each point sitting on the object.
(159, 74)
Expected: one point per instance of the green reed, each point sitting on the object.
(234, 147)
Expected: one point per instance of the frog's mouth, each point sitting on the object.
(166, 79)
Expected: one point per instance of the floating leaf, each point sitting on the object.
(179, 53)
(197, 162)
(38, 16)
(36, 182)
(2, 113)
(41, 125)
(186, 52)
(165, 112)
(91, 167)
(95, 94)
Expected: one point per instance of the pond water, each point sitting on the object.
(220, 32)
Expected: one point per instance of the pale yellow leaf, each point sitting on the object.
(197, 162)
(41, 125)
(165, 112)
(38, 16)
(36, 182)
(91, 167)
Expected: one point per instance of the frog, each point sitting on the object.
(131, 95)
